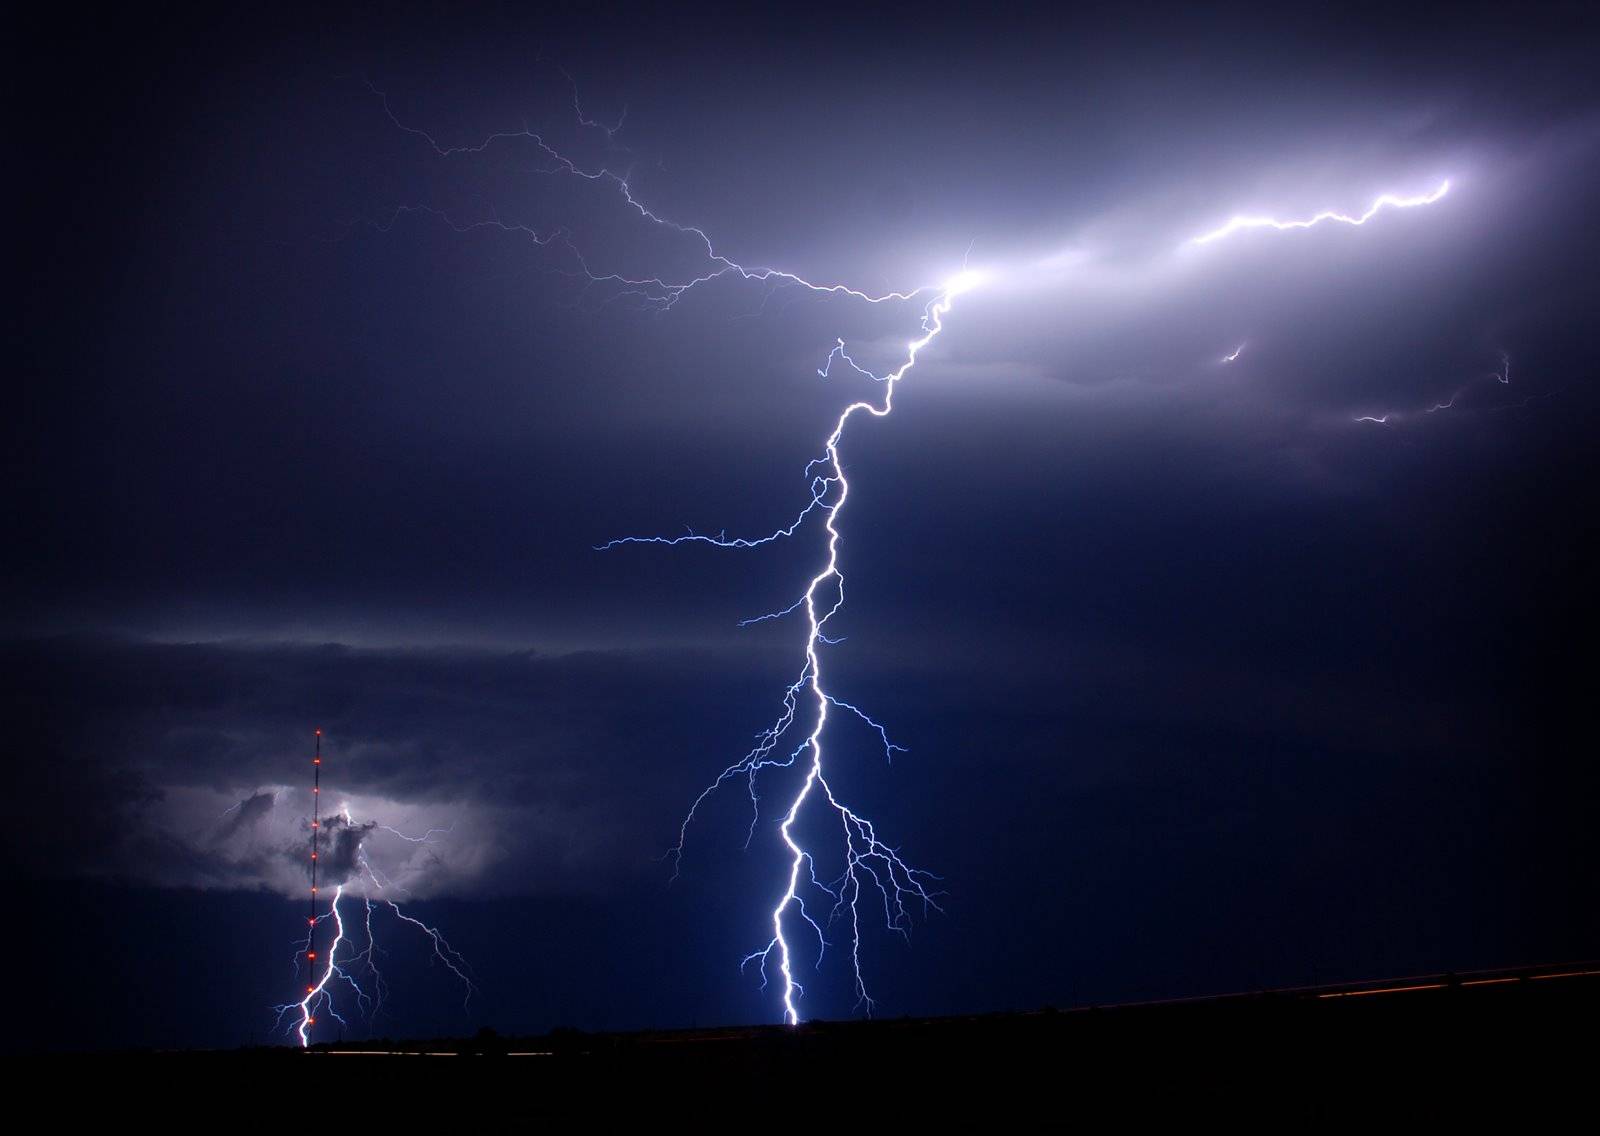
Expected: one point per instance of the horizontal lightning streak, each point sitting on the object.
(1387, 201)
(658, 290)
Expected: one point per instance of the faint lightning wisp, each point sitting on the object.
(1502, 376)
(657, 291)
(1237, 351)
(584, 120)
(1387, 201)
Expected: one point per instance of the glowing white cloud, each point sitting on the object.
(965, 281)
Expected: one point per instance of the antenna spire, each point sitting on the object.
(316, 832)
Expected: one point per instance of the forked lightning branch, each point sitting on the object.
(875, 881)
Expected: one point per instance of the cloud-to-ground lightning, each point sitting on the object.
(808, 705)
(1386, 201)
(868, 862)
(334, 971)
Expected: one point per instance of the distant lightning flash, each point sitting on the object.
(1387, 201)
(338, 971)
(1502, 376)
(872, 868)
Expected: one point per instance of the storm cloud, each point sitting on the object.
(1204, 681)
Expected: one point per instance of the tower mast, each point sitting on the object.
(316, 832)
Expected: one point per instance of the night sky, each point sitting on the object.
(1205, 685)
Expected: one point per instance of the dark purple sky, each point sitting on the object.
(1205, 683)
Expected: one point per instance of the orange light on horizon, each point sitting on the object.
(1565, 974)
(1384, 990)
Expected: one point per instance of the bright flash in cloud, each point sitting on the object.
(1387, 201)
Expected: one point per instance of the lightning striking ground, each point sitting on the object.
(871, 867)
(868, 862)
(335, 971)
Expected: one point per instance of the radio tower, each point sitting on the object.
(316, 827)
(306, 1018)
(319, 982)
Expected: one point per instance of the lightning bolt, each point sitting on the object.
(317, 994)
(336, 970)
(868, 862)
(1387, 201)
(871, 867)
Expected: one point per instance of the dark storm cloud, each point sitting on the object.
(544, 774)
(1251, 685)
(363, 416)
(340, 857)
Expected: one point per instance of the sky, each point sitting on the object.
(1210, 675)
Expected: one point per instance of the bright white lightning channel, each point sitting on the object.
(1387, 201)
(868, 862)
(870, 866)
(339, 967)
